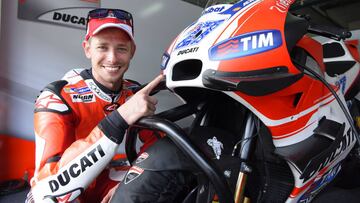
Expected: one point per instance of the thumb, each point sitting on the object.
(151, 85)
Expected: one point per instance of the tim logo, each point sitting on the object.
(246, 44)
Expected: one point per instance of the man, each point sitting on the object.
(80, 121)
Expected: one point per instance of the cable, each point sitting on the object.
(342, 106)
(240, 141)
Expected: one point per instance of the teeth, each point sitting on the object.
(112, 68)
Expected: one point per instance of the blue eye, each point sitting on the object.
(122, 49)
(102, 47)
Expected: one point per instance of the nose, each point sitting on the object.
(111, 56)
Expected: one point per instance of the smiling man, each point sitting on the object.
(80, 120)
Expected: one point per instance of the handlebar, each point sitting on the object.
(180, 139)
(328, 31)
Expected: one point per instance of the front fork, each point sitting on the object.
(244, 154)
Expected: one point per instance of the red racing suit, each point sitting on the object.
(77, 133)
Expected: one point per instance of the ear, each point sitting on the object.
(133, 48)
(86, 47)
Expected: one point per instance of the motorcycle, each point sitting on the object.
(272, 110)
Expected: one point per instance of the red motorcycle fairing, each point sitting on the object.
(352, 46)
(255, 52)
(342, 66)
(297, 101)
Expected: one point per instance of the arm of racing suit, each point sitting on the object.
(65, 167)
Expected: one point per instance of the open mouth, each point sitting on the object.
(112, 68)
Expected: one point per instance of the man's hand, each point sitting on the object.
(140, 104)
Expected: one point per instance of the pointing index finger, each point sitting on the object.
(151, 85)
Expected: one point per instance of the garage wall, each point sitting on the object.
(0, 17)
(34, 54)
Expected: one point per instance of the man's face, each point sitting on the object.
(110, 52)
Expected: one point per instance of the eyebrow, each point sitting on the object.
(120, 45)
